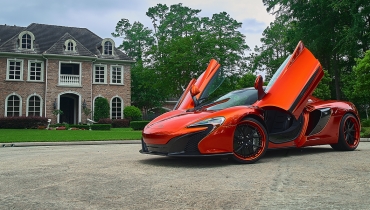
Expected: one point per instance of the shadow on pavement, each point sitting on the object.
(211, 162)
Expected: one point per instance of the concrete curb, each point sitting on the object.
(33, 144)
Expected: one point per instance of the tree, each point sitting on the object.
(145, 92)
(186, 43)
(179, 49)
(335, 31)
(277, 44)
(137, 39)
(361, 83)
(246, 80)
(101, 109)
(322, 91)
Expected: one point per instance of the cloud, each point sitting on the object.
(252, 26)
(101, 17)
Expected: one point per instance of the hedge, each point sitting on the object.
(101, 126)
(365, 123)
(105, 121)
(121, 123)
(23, 122)
(85, 127)
(138, 125)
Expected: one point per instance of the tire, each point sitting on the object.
(349, 134)
(250, 141)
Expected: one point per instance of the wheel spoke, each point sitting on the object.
(349, 132)
(241, 147)
(247, 140)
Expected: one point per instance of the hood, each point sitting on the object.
(174, 120)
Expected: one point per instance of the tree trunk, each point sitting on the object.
(336, 77)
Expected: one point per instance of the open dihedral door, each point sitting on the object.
(293, 82)
(202, 83)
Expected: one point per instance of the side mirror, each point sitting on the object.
(258, 85)
(194, 91)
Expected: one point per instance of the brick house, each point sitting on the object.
(46, 67)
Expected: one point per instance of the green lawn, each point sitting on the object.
(35, 135)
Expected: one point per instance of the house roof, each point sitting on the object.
(50, 39)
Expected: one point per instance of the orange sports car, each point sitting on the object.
(245, 123)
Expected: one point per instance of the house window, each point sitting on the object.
(34, 106)
(108, 48)
(70, 74)
(13, 106)
(100, 74)
(116, 75)
(35, 70)
(25, 40)
(116, 111)
(14, 70)
(70, 45)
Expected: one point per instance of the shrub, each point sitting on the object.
(365, 123)
(59, 125)
(138, 125)
(101, 126)
(365, 132)
(105, 121)
(23, 122)
(84, 127)
(101, 109)
(121, 123)
(132, 113)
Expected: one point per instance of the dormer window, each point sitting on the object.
(70, 45)
(108, 46)
(25, 40)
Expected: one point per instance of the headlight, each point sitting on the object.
(216, 121)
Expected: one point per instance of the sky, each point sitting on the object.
(101, 16)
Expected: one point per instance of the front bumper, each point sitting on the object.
(185, 145)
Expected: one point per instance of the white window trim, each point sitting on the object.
(6, 104)
(105, 74)
(29, 70)
(60, 73)
(111, 106)
(103, 44)
(111, 75)
(20, 39)
(41, 103)
(7, 69)
(73, 43)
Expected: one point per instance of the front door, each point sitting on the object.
(68, 104)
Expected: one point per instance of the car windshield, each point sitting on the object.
(236, 98)
(277, 73)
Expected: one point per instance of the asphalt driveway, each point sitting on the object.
(117, 176)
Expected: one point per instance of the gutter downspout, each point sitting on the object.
(91, 88)
(46, 82)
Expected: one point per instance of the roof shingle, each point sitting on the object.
(49, 39)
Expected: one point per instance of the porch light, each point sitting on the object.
(84, 105)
